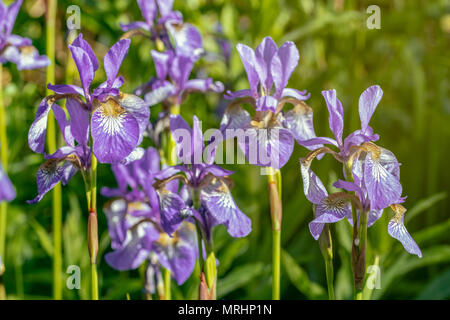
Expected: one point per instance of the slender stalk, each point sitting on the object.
(326, 247)
(4, 204)
(52, 146)
(274, 183)
(167, 281)
(93, 225)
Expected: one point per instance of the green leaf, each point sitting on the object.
(423, 205)
(406, 263)
(43, 236)
(239, 277)
(437, 289)
(299, 278)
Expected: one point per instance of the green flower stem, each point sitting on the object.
(52, 146)
(4, 204)
(208, 266)
(274, 183)
(91, 196)
(326, 247)
(167, 280)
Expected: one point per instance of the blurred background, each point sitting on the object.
(408, 57)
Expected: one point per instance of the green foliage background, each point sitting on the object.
(408, 57)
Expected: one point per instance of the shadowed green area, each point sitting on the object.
(408, 57)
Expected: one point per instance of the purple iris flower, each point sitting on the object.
(115, 122)
(165, 25)
(172, 83)
(134, 222)
(207, 198)
(375, 173)
(270, 133)
(14, 48)
(7, 192)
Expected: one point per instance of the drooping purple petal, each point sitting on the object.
(173, 210)
(383, 188)
(188, 40)
(115, 211)
(397, 230)
(267, 147)
(313, 188)
(38, 129)
(217, 198)
(48, 175)
(135, 249)
(66, 89)
(115, 132)
(299, 121)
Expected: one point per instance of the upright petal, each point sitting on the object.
(368, 102)
(336, 118)
(114, 58)
(83, 44)
(79, 121)
(148, 10)
(85, 68)
(263, 55)
(60, 116)
(161, 61)
(249, 61)
(183, 137)
(115, 211)
(188, 40)
(283, 64)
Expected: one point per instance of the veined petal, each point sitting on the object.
(336, 118)
(65, 89)
(134, 25)
(38, 129)
(135, 249)
(268, 146)
(184, 138)
(160, 91)
(299, 121)
(161, 60)
(294, 93)
(114, 58)
(115, 211)
(188, 40)
(313, 188)
(383, 188)
(48, 175)
(266, 103)
(235, 117)
(217, 198)
(173, 210)
(397, 230)
(29, 58)
(368, 102)
(138, 108)
(115, 132)
(178, 254)
(10, 16)
(229, 95)
(165, 7)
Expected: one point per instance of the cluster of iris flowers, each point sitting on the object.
(168, 199)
